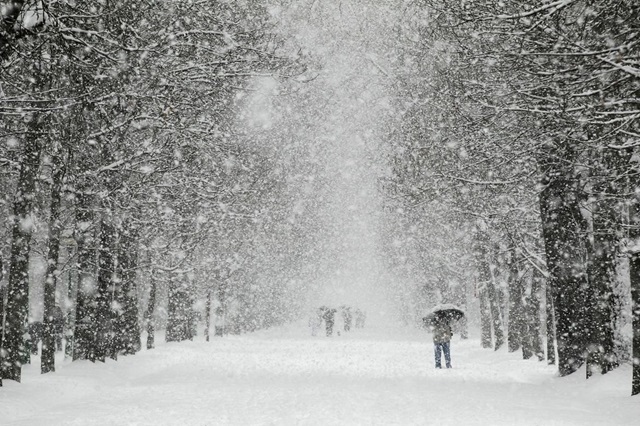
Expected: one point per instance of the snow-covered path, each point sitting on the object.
(284, 377)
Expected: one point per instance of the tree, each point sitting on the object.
(487, 280)
(634, 273)
(556, 69)
(55, 228)
(517, 320)
(16, 308)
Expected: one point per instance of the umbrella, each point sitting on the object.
(445, 312)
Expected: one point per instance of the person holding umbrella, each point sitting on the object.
(439, 321)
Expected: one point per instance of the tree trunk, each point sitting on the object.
(464, 327)
(485, 319)
(603, 253)
(207, 316)
(533, 315)
(104, 296)
(2, 312)
(516, 308)
(173, 313)
(179, 312)
(128, 328)
(84, 333)
(12, 350)
(494, 302)
(551, 328)
(496, 318)
(489, 309)
(47, 363)
(634, 275)
(562, 228)
(601, 271)
(70, 318)
(149, 313)
(635, 308)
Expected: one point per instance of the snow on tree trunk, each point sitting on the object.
(634, 276)
(47, 361)
(533, 315)
(488, 294)
(2, 312)
(496, 317)
(635, 295)
(516, 308)
(148, 316)
(562, 228)
(13, 352)
(485, 319)
(84, 333)
(127, 326)
(551, 327)
(208, 316)
(601, 269)
(70, 317)
(106, 288)
(179, 321)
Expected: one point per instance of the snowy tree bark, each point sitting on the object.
(634, 276)
(148, 316)
(550, 326)
(485, 319)
(635, 309)
(84, 333)
(179, 312)
(103, 325)
(516, 332)
(2, 313)
(127, 326)
(533, 316)
(55, 226)
(602, 256)
(70, 317)
(208, 316)
(12, 349)
(562, 230)
(481, 252)
(496, 316)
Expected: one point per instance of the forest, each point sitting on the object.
(153, 174)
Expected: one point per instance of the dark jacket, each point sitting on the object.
(441, 332)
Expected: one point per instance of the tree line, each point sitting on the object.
(519, 132)
(124, 167)
(514, 150)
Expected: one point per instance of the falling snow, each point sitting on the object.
(273, 211)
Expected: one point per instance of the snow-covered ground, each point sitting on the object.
(283, 376)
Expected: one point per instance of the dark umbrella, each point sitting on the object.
(443, 313)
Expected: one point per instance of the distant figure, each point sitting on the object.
(360, 318)
(441, 340)
(346, 317)
(329, 318)
(219, 322)
(315, 322)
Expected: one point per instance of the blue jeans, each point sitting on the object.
(447, 354)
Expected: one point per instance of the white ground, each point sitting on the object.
(286, 377)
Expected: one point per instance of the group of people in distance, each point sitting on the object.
(350, 316)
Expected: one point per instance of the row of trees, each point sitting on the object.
(124, 167)
(520, 129)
